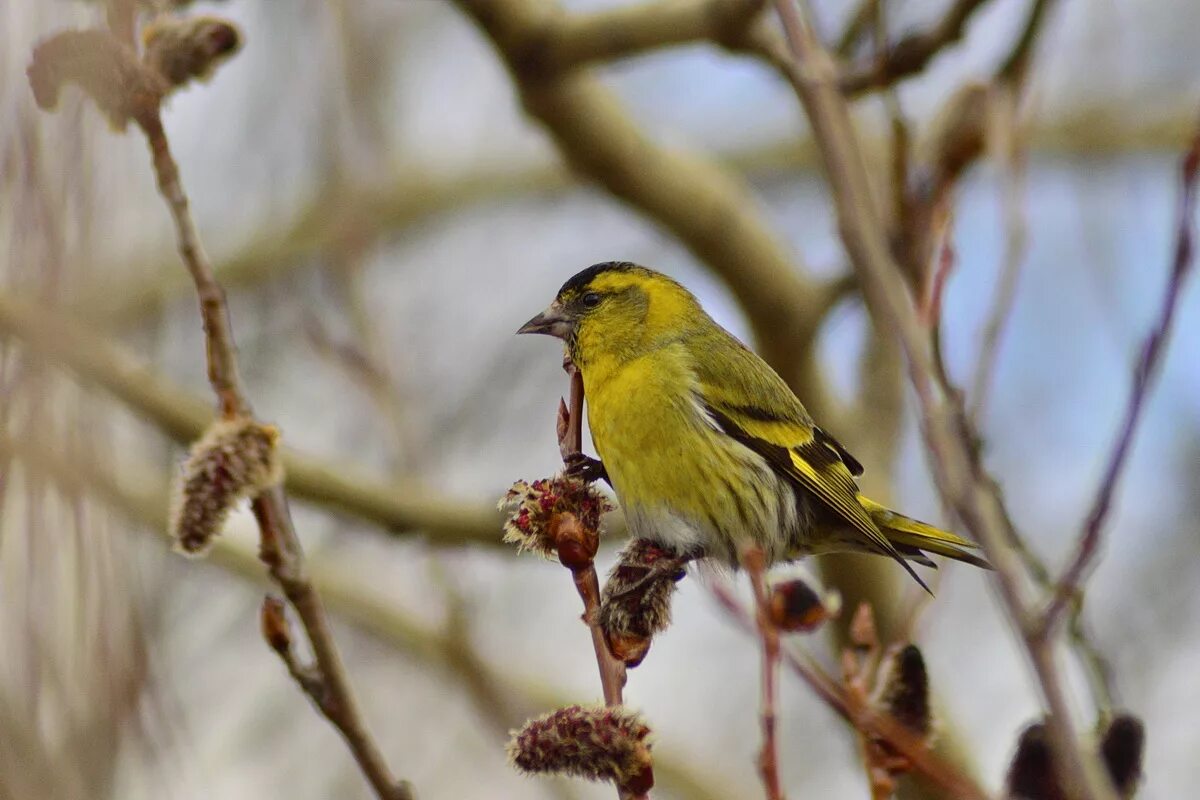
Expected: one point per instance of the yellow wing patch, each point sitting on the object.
(832, 483)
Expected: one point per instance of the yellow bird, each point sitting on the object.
(706, 447)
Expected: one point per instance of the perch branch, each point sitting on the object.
(138, 492)
(587, 583)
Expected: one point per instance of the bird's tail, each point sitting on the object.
(912, 539)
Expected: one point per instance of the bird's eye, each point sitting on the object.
(591, 300)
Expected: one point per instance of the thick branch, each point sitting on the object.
(578, 39)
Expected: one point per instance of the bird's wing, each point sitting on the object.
(752, 404)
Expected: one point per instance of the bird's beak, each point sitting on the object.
(551, 322)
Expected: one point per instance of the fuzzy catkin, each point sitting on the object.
(531, 509)
(189, 48)
(905, 692)
(235, 459)
(103, 67)
(637, 595)
(600, 743)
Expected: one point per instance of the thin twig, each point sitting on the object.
(280, 550)
(923, 759)
(768, 760)
(1068, 588)
(1013, 159)
(587, 583)
(911, 54)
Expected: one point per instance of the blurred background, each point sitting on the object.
(385, 216)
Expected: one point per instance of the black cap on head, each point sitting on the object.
(584, 277)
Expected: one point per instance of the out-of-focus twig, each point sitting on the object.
(184, 416)
(1012, 155)
(329, 689)
(912, 53)
(768, 759)
(1067, 589)
(924, 760)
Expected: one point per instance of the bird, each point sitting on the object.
(706, 447)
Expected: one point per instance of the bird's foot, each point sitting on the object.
(586, 468)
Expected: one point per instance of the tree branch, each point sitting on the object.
(280, 547)
(964, 484)
(912, 53)
(573, 40)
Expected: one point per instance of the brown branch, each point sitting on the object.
(280, 547)
(575, 40)
(768, 760)
(861, 718)
(1068, 588)
(912, 53)
(963, 483)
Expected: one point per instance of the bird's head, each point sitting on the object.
(616, 310)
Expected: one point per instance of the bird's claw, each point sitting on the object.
(586, 468)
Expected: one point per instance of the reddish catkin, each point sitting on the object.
(534, 510)
(234, 460)
(599, 743)
(795, 607)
